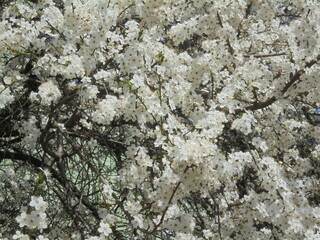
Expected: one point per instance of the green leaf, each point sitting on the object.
(161, 56)
(140, 38)
(40, 178)
(130, 85)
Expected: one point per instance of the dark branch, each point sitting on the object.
(293, 79)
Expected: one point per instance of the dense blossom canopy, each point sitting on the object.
(159, 119)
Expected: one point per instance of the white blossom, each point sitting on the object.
(159, 119)
(105, 229)
(48, 93)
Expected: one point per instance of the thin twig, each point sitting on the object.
(132, 4)
(265, 55)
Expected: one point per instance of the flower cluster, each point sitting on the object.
(33, 219)
(160, 119)
(48, 93)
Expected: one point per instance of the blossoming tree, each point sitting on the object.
(159, 119)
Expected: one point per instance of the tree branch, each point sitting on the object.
(55, 174)
(271, 100)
